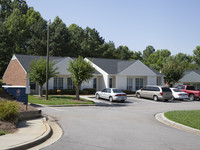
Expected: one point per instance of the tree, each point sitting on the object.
(59, 38)
(196, 56)
(76, 35)
(108, 50)
(6, 49)
(158, 59)
(90, 46)
(173, 72)
(80, 70)
(37, 72)
(124, 53)
(137, 55)
(147, 52)
(37, 33)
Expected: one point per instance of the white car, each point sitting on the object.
(178, 94)
(111, 94)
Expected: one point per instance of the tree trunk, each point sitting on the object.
(77, 93)
(40, 90)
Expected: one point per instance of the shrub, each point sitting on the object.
(68, 91)
(128, 92)
(2, 133)
(9, 111)
(89, 91)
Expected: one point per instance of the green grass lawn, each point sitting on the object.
(188, 118)
(2, 133)
(57, 100)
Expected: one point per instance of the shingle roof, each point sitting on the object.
(25, 60)
(115, 66)
(112, 66)
(156, 72)
(188, 71)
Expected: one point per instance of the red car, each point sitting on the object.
(190, 90)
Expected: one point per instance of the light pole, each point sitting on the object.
(47, 73)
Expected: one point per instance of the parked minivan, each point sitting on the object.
(155, 92)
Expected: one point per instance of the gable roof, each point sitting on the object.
(189, 71)
(25, 60)
(112, 66)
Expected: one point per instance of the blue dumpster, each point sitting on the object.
(18, 92)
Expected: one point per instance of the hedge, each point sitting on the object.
(85, 91)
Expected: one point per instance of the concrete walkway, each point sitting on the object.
(29, 134)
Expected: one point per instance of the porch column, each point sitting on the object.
(106, 80)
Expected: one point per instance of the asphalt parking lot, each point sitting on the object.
(122, 126)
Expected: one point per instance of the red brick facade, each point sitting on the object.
(15, 74)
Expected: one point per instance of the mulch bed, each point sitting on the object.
(7, 126)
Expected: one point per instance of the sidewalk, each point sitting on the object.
(29, 134)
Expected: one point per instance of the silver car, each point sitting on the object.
(155, 92)
(112, 94)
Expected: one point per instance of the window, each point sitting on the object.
(110, 82)
(181, 87)
(197, 86)
(105, 90)
(117, 91)
(58, 83)
(94, 83)
(108, 90)
(166, 89)
(69, 83)
(129, 84)
(139, 83)
(190, 88)
(32, 86)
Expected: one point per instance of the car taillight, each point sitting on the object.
(161, 93)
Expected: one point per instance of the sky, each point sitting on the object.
(163, 24)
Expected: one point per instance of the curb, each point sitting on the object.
(161, 117)
(57, 133)
(46, 135)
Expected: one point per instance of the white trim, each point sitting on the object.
(105, 74)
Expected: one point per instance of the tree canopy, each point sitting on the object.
(37, 72)
(80, 70)
(24, 31)
(173, 72)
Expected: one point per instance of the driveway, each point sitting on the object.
(122, 127)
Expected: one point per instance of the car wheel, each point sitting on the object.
(191, 97)
(110, 99)
(138, 95)
(97, 96)
(155, 98)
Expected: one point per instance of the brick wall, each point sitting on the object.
(15, 75)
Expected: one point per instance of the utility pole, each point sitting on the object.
(47, 73)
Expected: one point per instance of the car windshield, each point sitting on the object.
(177, 90)
(166, 89)
(117, 91)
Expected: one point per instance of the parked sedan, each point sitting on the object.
(178, 94)
(112, 94)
